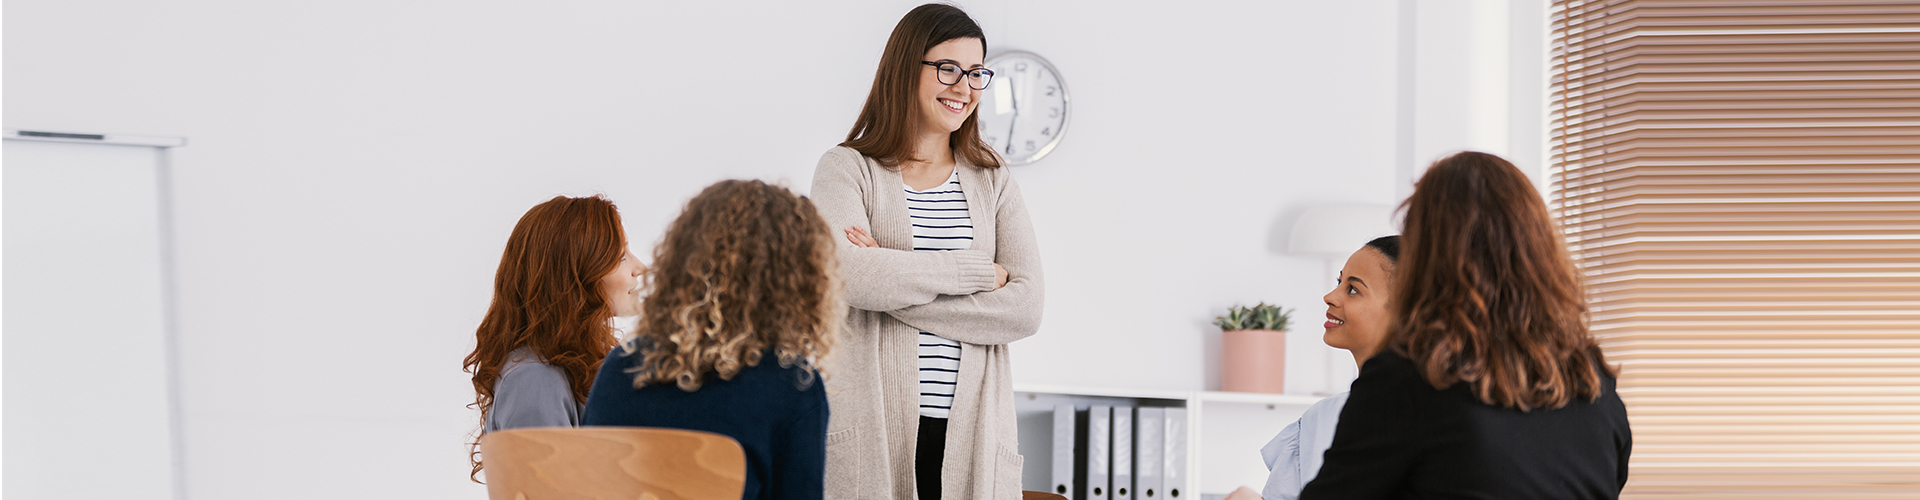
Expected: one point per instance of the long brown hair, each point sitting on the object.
(1487, 293)
(886, 125)
(746, 267)
(546, 298)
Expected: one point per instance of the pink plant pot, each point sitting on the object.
(1253, 361)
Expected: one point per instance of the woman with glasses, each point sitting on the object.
(941, 270)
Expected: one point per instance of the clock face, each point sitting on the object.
(1023, 112)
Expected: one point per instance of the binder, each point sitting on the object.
(1063, 437)
(1174, 476)
(1099, 452)
(1149, 444)
(1122, 453)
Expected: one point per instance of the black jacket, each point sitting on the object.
(1398, 437)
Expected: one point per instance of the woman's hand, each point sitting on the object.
(860, 238)
(999, 276)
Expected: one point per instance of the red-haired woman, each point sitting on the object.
(565, 274)
(942, 272)
(1487, 384)
(743, 305)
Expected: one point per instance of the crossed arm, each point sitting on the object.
(973, 296)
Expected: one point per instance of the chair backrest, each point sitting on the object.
(627, 463)
(1040, 495)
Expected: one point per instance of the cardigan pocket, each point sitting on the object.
(1006, 481)
(843, 479)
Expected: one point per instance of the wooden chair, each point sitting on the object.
(626, 463)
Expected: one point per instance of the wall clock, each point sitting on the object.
(1024, 111)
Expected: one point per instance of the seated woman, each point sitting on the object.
(742, 306)
(1488, 384)
(1357, 317)
(565, 275)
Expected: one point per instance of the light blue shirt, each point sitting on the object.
(1294, 456)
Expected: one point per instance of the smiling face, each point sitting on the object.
(944, 107)
(1357, 313)
(621, 288)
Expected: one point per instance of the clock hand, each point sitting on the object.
(1013, 94)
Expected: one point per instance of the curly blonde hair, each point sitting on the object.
(747, 267)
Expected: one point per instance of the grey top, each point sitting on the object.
(531, 393)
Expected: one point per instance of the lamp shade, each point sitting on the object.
(1336, 230)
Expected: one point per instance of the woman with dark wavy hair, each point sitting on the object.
(942, 271)
(742, 304)
(565, 275)
(1487, 384)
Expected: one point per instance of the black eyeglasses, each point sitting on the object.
(949, 74)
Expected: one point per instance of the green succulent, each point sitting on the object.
(1258, 317)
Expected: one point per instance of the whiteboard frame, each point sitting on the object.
(169, 307)
(87, 138)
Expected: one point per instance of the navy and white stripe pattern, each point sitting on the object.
(940, 222)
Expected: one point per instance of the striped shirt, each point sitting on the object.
(940, 222)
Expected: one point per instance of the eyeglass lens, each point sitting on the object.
(978, 78)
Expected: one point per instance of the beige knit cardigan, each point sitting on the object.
(894, 293)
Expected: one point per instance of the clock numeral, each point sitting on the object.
(1030, 146)
(991, 140)
(1021, 67)
(1046, 131)
(1009, 148)
(1053, 112)
(1050, 90)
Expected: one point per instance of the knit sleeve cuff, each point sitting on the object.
(976, 270)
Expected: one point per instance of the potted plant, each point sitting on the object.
(1253, 348)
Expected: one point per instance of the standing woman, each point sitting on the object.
(1488, 384)
(942, 271)
(565, 275)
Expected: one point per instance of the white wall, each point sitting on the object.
(85, 282)
(354, 168)
(1478, 77)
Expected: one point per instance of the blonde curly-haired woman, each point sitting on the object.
(742, 304)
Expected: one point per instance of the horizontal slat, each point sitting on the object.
(1655, 410)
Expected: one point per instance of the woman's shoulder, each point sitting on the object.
(523, 357)
(995, 179)
(525, 369)
(843, 157)
(1328, 407)
(1388, 361)
(799, 377)
(1390, 372)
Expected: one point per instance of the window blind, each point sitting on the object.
(1739, 182)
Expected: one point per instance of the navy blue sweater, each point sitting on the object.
(779, 420)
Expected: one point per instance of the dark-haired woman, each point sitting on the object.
(1357, 318)
(1488, 384)
(565, 275)
(941, 271)
(743, 305)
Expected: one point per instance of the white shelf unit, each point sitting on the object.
(1225, 430)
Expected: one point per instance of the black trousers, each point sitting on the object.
(928, 453)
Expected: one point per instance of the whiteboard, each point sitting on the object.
(86, 357)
